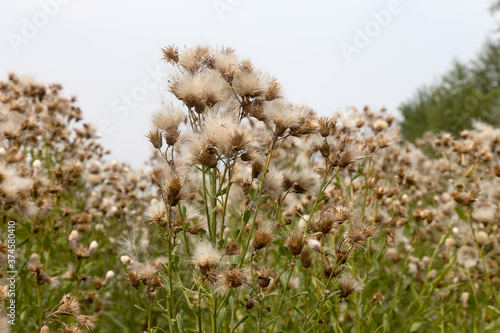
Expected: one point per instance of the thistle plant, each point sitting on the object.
(248, 186)
(253, 214)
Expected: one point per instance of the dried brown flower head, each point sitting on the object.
(262, 237)
(87, 322)
(264, 277)
(295, 242)
(233, 278)
(171, 54)
(232, 248)
(69, 306)
(348, 285)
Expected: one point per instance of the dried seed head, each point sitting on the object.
(464, 298)
(379, 125)
(467, 256)
(262, 237)
(305, 258)
(482, 237)
(34, 264)
(246, 65)
(378, 297)
(249, 303)
(274, 90)
(283, 116)
(87, 322)
(171, 54)
(325, 126)
(205, 256)
(202, 152)
(474, 192)
(342, 212)
(233, 278)
(460, 197)
(314, 245)
(155, 138)
(133, 278)
(257, 168)
(295, 242)
(358, 235)
(156, 213)
(496, 169)
(341, 257)
(329, 271)
(248, 85)
(171, 136)
(70, 329)
(4, 292)
(348, 285)
(264, 277)
(352, 152)
(69, 306)
(232, 248)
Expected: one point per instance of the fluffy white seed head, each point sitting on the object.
(467, 256)
(73, 235)
(205, 255)
(93, 247)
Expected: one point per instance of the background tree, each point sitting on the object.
(467, 92)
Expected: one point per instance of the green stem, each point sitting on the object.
(481, 254)
(224, 207)
(213, 205)
(205, 202)
(199, 310)
(149, 314)
(259, 203)
(285, 287)
(214, 318)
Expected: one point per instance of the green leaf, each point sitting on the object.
(298, 311)
(221, 317)
(267, 197)
(415, 326)
(137, 306)
(221, 243)
(175, 266)
(240, 322)
(270, 322)
(493, 308)
(317, 280)
(461, 214)
(201, 231)
(189, 311)
(296, 295)
(324, 197)
(183, 213)
(23, 242)
(222, 192)
(246, 216)
(180, 323)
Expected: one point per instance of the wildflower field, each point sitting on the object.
(252, 215)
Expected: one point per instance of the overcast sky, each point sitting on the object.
(327, 54)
